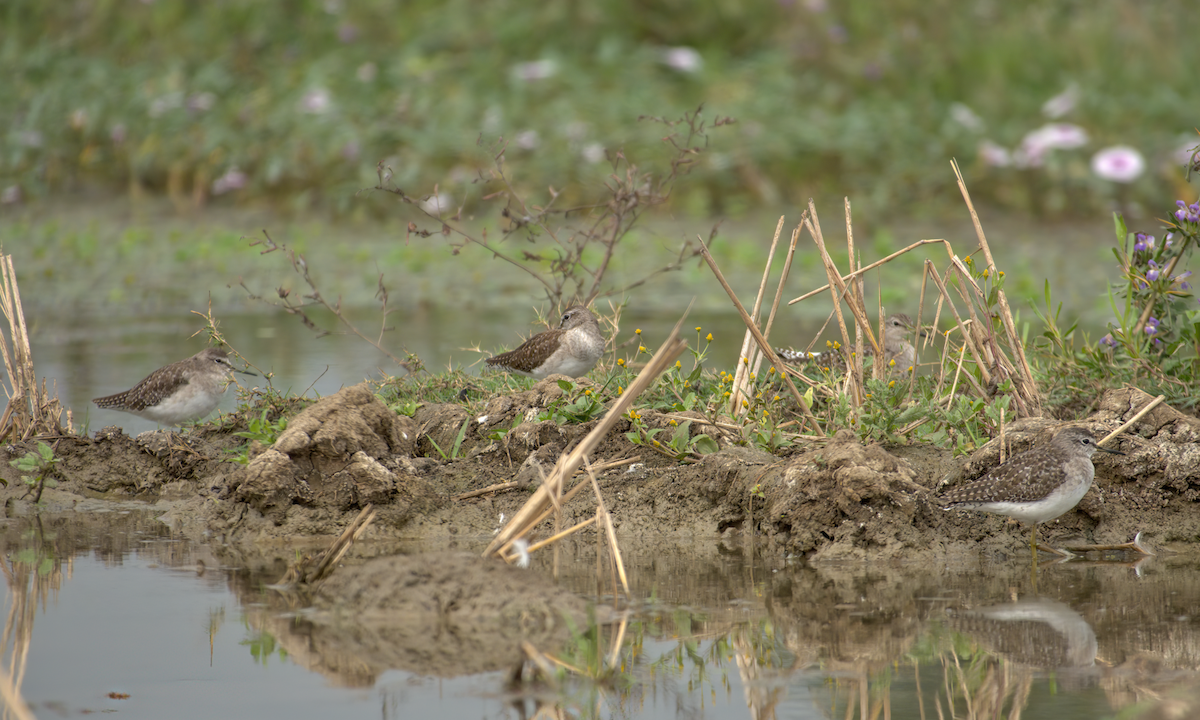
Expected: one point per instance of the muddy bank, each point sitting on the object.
(830, 499)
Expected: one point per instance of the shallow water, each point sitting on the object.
(114, 604)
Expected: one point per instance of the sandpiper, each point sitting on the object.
(179, 392)
(896, 346)
(571, 349)
(1037, 485)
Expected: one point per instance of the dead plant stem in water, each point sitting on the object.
(31, 410)
(549, 496)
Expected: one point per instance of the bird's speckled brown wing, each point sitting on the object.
(531, 353)
(1030, 476)
(158, 386)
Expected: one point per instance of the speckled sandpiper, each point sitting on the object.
(571, 349)
(896, 329)
(179, 392)
(1037, 485)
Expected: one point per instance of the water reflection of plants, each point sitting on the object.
(34, 576)
(658, 654)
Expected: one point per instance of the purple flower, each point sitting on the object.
(1152, 273)
(233, 179)
(683, 59)
(1167, 239)
(1108, 340)
(1055, 136)
(1119, 163)
(1062, 103)
(1181, 279)
(534, 70)
(1150, 329)
(994, 155)
(1139, 244)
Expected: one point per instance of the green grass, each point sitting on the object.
(168, 96)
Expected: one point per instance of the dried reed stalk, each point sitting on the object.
(31, 410)
(862, 270)
(741, 373)
(762, 341)
(549, 496)
(1027, 395)
(787, 270)
(311, 571)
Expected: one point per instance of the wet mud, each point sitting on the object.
(833, 499)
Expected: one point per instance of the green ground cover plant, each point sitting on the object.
(294, 104)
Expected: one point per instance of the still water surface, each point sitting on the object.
(115, 604)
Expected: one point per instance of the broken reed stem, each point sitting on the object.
(787, 269)
(742, 371)
(330, 558)
(762, 341)
(838, 291)
(967, 338)
(872, 266)
(1141, 413)
(536, 508)
(602, 511)
(30, 410)
(599, 467)
(1027, 387)
(555, 538)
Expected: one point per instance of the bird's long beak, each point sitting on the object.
(1113, 452)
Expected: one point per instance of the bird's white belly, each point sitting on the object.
(181, 407)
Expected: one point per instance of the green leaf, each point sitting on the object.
(1121, 229)
(704, 445)
(566, 385)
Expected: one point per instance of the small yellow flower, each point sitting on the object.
(686, 383)
(656, 443)
(641, 348)
(620, 389)
(633, 415)
(868, 395)
(745, 361)
(828, 344)
(1000, 273)
(722, 373)
(587, 392)
(637, 332)
(672, 422)
(697, 328)
(745, 404)
(775, 399)
(771, 371)
(678, 365)
(726, 393)
(891, 383)
(621, 362)
(892, 362)
(985, 273)
(709, 338)
(910, 368)
(752, 376)
(837, 345)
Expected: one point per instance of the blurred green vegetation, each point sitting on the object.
(293, 103)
